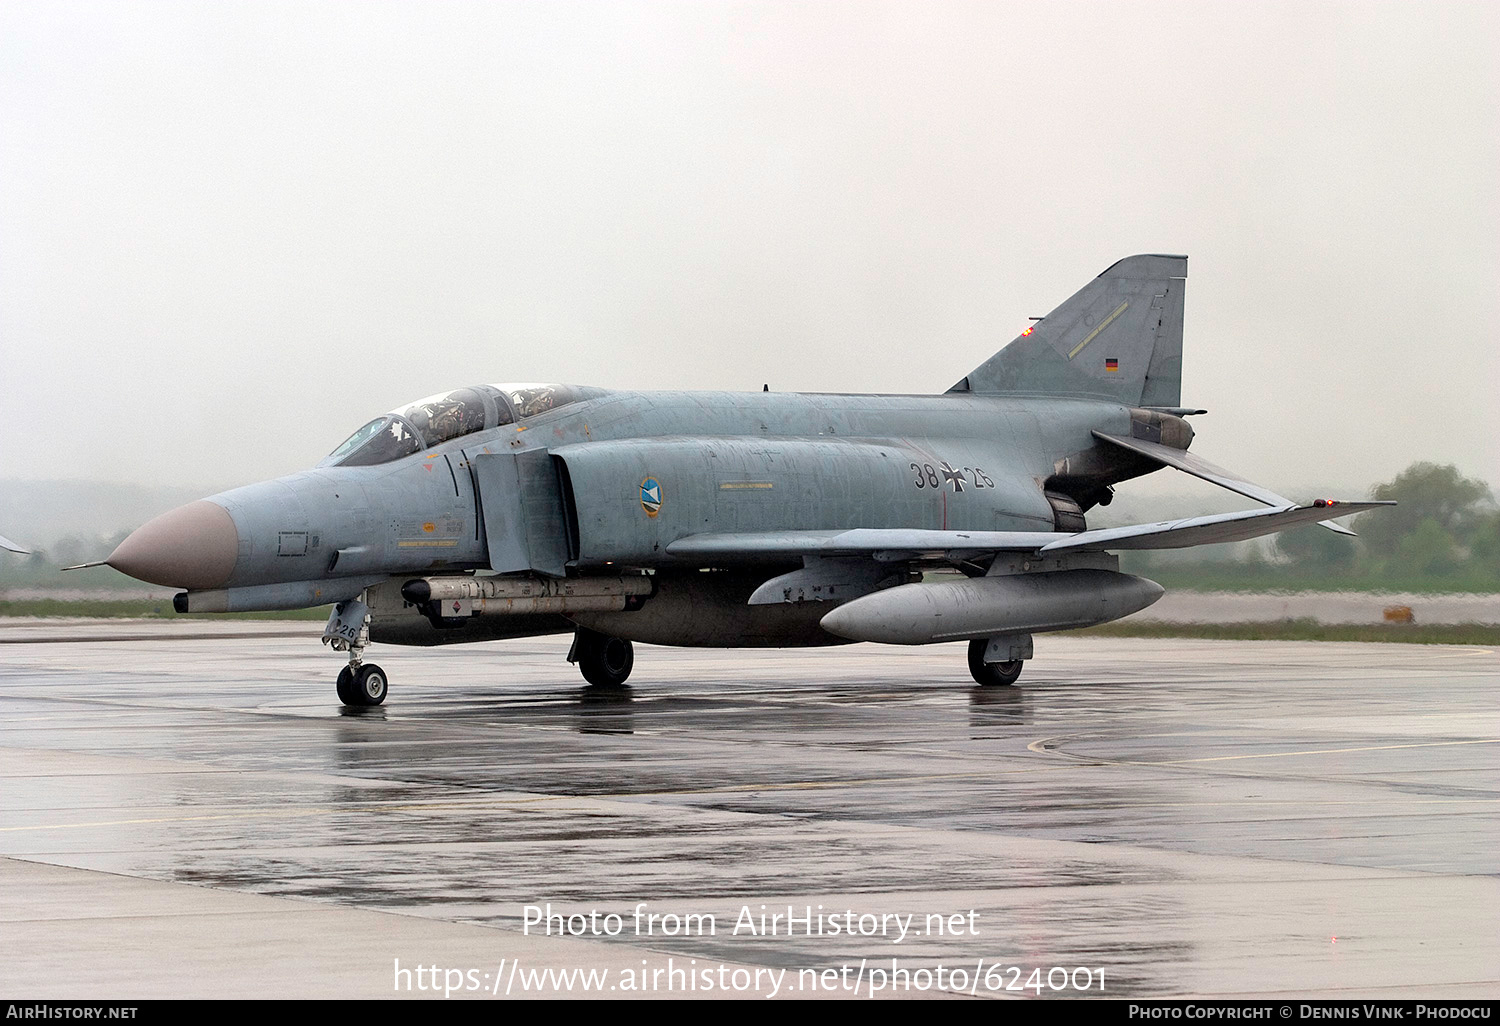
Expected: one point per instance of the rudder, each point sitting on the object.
(1119, 338)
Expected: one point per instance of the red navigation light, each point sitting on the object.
(1028, 331)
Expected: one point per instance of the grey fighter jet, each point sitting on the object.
(731, 519)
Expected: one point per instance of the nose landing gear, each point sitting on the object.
(360, 683)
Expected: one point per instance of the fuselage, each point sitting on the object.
(720, 462)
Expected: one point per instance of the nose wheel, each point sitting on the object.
(365, 686)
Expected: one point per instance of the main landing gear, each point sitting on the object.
(360, 683)
(993, 673)
(604, 661)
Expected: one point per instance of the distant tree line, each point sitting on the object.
(1444, 527)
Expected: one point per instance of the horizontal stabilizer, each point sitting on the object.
(1210, 530)
(1198, 467)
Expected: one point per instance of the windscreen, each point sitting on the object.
(356, 440)
(379, 441)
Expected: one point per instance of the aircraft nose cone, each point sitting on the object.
(192, 547)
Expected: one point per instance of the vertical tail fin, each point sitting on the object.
(1119, 337)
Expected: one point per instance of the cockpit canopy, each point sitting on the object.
(441, 418)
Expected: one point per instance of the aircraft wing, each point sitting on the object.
(6, 543)
(1199, 467)
(898, 544)
(894, 543)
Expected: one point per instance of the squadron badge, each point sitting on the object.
(651, 496)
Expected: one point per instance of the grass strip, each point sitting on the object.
(139, 609)
(1305, 629)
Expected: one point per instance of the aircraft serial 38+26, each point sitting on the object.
(732, 519)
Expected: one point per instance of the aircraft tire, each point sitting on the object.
(605, 661)
(345, 686)
(370, 685)
(991, 674)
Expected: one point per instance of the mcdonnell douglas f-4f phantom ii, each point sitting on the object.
(731, 519)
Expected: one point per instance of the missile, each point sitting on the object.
(444, 589)
(983, 607)
(458, 597)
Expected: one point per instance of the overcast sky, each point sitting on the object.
(232, 232)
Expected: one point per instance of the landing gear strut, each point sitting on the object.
(995, 673)
(360, 683)
(603, 660)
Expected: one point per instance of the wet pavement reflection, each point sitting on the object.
(1195, 816)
